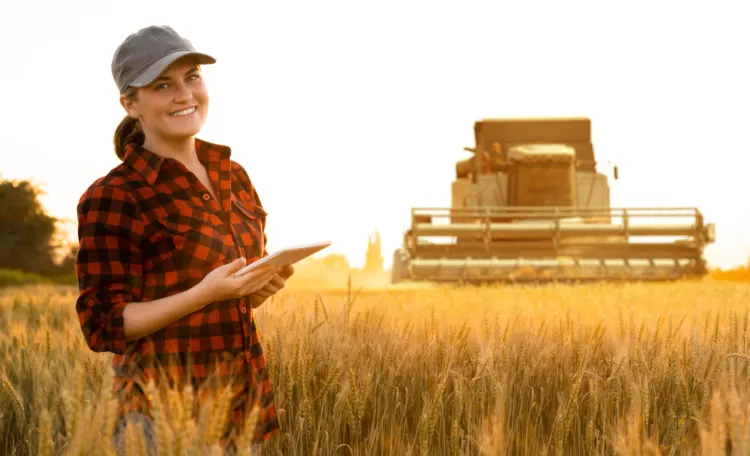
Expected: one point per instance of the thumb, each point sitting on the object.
(236, 265)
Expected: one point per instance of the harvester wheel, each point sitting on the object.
(398, 270)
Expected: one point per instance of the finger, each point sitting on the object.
(271, 275)
(261, 283)
(257, 280)
(260, 289)
(287, 271)
(263, 293)
(235, 265)
(275, 284)
(259, 275)
(253, 289)
(273, 287)
(279, 281)
(260, 270)
(267, 291)
(265, 270)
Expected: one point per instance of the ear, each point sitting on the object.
(130, 106)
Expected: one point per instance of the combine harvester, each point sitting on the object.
(530, 205)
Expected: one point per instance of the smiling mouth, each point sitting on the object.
(183, 112)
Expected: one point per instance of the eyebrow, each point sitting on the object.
(190, 71)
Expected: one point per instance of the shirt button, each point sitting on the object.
(247, 356)
(206, 196)
(243, 309)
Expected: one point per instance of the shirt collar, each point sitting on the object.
(148, 164)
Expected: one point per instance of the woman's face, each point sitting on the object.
(174, 106)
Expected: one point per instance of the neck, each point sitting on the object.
(182, 149)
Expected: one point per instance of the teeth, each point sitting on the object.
(184, 112)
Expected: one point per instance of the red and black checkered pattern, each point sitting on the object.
(150, 229)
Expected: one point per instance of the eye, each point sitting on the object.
(161, 86)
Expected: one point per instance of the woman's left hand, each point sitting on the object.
(274, 286)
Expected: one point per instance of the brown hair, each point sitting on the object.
(129, 130)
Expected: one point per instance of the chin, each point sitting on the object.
(185, 131)
(182, 134)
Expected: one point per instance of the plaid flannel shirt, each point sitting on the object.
(150, 229)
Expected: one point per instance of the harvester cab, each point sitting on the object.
(530, 204)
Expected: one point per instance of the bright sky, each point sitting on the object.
(303, 92)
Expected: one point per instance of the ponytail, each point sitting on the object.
(128, 131)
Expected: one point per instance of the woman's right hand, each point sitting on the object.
(220, 284)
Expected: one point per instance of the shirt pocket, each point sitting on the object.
(249, 220)
(192, 241)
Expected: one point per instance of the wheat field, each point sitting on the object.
(436, 370)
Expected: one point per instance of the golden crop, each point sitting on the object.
(558, 370)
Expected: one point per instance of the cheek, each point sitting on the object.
(202, 98)
(156, 109)
(201, 95)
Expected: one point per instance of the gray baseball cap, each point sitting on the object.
(144, 55)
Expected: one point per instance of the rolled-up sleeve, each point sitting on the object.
(108, 265)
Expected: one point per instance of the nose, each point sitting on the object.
(183, 94)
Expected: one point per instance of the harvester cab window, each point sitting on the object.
(543, 175)
(543, 184)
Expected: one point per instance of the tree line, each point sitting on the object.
(30, 240)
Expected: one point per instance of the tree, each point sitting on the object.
(27, 233)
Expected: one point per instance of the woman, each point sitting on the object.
(160, 237)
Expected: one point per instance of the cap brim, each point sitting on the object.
(153, 72)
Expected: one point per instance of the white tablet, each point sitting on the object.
(286, 256)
